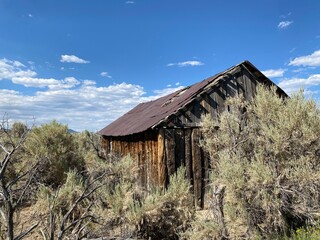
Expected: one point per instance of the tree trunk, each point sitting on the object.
(217, 202)
(8, 210)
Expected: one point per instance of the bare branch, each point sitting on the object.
(25, 233)
(4, 149)
(24, 189)
(5, 163)
(82, 197)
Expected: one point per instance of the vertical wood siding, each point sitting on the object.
(160, 152)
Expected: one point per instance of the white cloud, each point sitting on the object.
(186, 63)
(166, 91)
(130, 2)
(273, 73)
(30, 15)
(292, 50)
(80, 104)
(294, 84)
(88, 82)
(51, 83)
(105, 74)
(10, 69)
(286, 15)
(87, 107)
(312, 60)
(72, 59)
(284, 24)
(19, 74)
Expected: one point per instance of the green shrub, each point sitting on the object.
(306, 233)
(266, 153)
(164, 214)
(56, 151)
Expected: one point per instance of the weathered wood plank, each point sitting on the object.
(205, 105)
(212, 104)
(247, 85)
(142, 164)
(147, 159)
(179, 148)
(240, 84)
(197, 110)
(155, 161)
(170, 150)
(232, 87)
(219, 97)
(197, 167)
(188, 156)
(150, 157)
(205, 181)
(161, 159)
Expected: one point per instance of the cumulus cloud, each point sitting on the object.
(72, 59)
(186, 63)
(129, 2)
(105, 74)
(51, 83)
(80, 104)
(166, 91)
(10, 69)
(284, 24)
(294, 84)
(87, 107)
(19, 74)
(273, 73)
(88, 82)
(312, 60)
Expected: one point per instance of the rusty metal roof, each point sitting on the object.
(150, 114)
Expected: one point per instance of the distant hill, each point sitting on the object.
(72, 131)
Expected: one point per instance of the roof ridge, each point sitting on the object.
(148, 115)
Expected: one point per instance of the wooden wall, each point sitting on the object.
(212, 100)
(159, 153)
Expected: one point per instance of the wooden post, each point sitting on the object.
(205, 177)
(155, 159)
(179, 148)
(161, 159)
(142, 163)
(170, 151)
(188, 155)
(196, 164)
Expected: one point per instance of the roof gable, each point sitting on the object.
(150, 114)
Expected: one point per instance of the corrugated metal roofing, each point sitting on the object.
(150, 114)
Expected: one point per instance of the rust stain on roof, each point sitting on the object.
(150, 114)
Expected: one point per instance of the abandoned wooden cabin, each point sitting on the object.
(163, 134)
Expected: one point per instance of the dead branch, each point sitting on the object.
(85, 194)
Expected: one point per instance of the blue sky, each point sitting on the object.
(85, 63)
